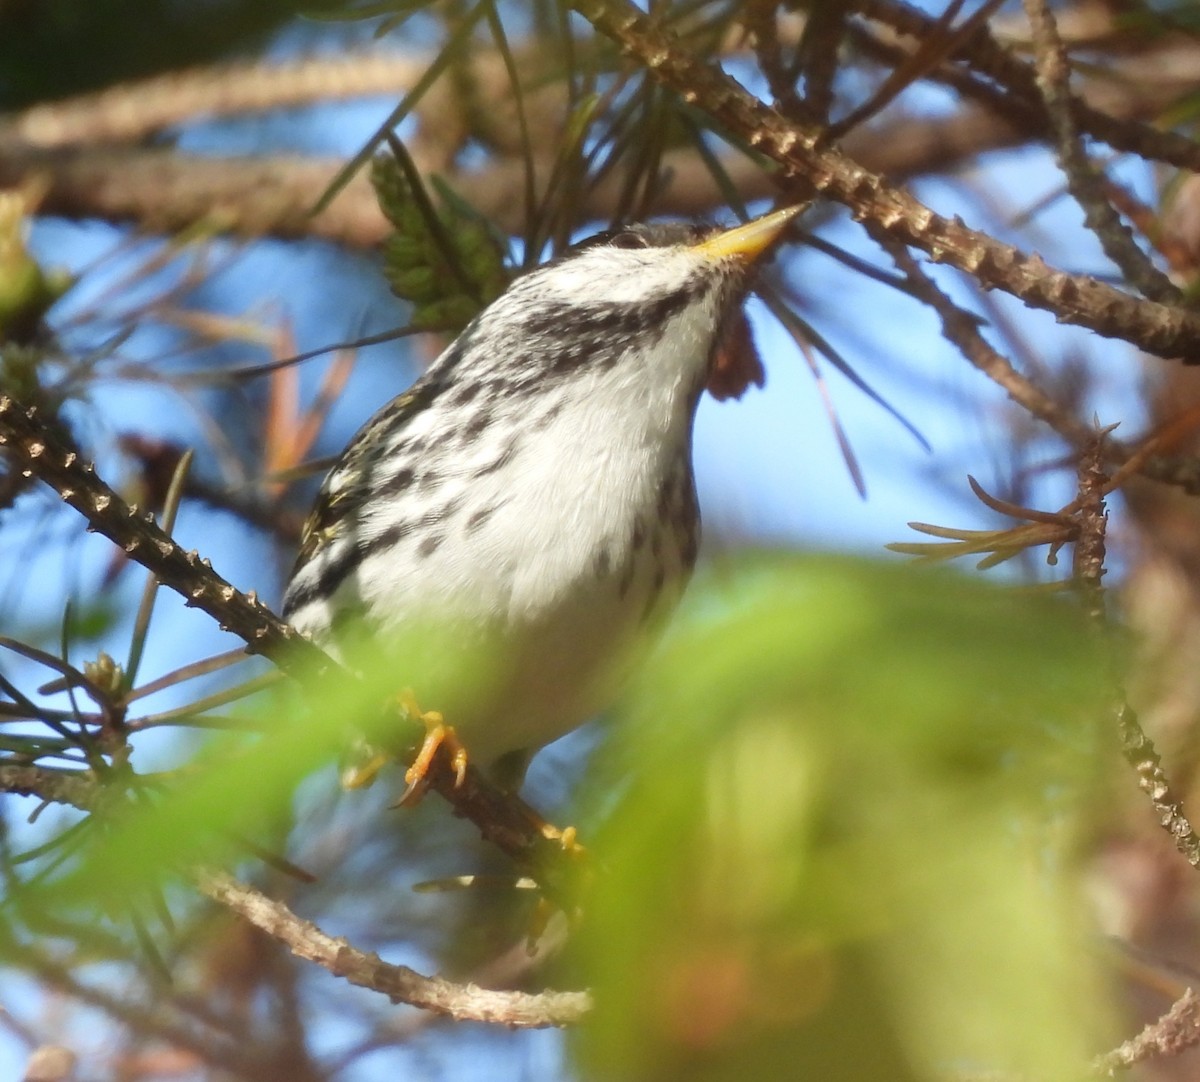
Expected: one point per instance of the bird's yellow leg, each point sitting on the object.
(437, 735)
(363, 767)
(567, 837)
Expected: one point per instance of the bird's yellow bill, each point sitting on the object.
(750, 240)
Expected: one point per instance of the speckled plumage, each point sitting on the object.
(535, 485)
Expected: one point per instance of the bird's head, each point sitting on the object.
(641, 295)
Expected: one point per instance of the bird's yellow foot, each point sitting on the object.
(567, 837)
(438, 735)
(363, 768)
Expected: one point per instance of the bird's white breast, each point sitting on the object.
(553, 565)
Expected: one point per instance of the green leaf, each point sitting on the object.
(445, 259)
(847, 849)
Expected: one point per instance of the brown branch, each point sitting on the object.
(32, 445)
(1140, 753)
(1111, 118)
(72, 787)
(1077, 299)
(961, 329)
(1173, 1033)
(1091, 519)
(462, 1002)
(1137, 748)
(1025, 115)
(1084, 181)
(164, 190)
(305, 940)
(129, 112)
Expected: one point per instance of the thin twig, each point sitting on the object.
(141, 623)
(463, 1002)
(307, 941)
(1084, 181)
(1137, 748)
(962, 329)
(1173, 1033)
(929, 53)
(187, 672)
(986, 56)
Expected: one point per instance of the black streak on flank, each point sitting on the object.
(397, 483)
(337, 566)
(440, 514)
(389, 537)
(475, 427)
(481, 516)
(544, 419)
(465, 392)
(429, 480)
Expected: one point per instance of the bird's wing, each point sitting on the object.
(347, 485)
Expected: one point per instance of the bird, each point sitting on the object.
(533, 491)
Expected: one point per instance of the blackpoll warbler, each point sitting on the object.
(535, 486)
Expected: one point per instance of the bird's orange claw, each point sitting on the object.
(567, 837)
(437, 735)
(362, 771)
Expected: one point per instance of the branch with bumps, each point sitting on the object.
(806, 163)
(1089, 570)
(1085, 182)
(36, 450)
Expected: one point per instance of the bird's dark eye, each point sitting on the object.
(594, 241)
(627, 238)
(609, 238)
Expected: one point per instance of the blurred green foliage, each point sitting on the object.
(843, 815)
(241, 782)
(847, 848)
